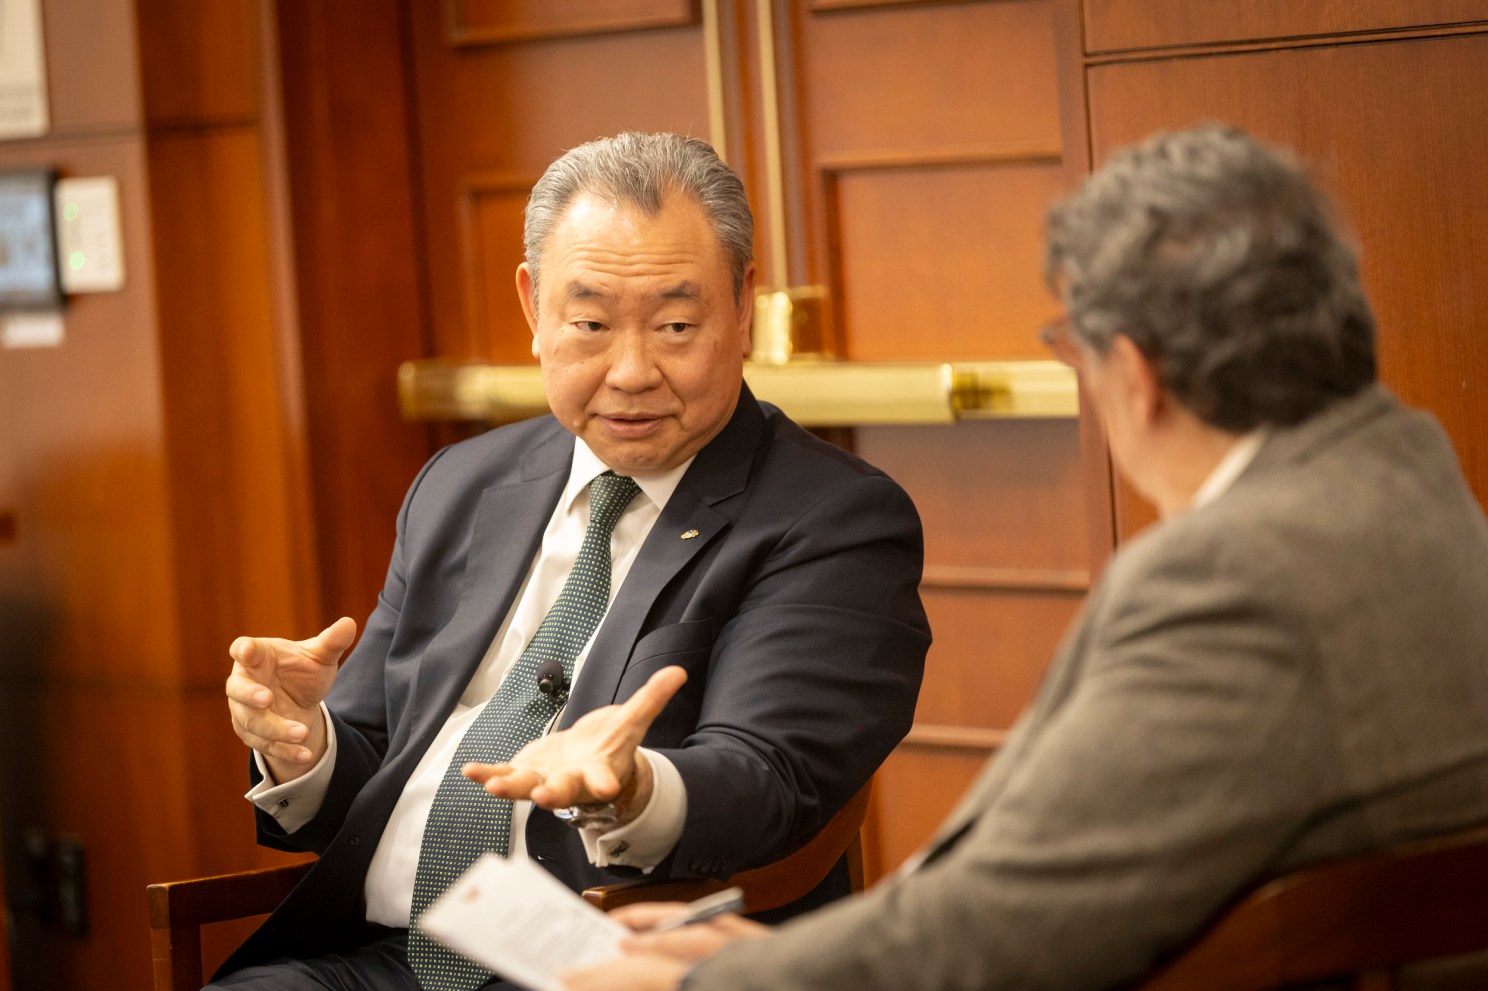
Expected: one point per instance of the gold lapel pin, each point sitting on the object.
(689, 534)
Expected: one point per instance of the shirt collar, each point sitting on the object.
(587, 466)
(1234, 462)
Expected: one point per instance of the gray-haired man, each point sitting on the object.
(530, 586)
(1288, 668)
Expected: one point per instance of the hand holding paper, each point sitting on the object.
(517, 919)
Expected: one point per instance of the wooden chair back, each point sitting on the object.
(1364, 918)
(178, 909)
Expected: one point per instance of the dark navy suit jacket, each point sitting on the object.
(795, 611)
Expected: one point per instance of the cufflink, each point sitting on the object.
(589, 815)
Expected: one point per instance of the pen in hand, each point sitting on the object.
(705, 908)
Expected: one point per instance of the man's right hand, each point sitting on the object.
(274, 695)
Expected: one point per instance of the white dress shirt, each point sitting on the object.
(1223, 475)
(642, 843)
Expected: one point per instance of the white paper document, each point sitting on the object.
(520, 921)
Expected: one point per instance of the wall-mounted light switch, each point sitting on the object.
(90, 250)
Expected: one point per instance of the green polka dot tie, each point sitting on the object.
(465, 822)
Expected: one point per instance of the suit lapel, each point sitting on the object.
(700, 503)
(509, 523)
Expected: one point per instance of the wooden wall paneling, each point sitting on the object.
(473, 22)
(932, 295)
(360, 298)
(87, 601)
(921, 83)
(153, 463)
(92, 62)
(1099, 479)
(992, 647)
(1122, 25)
(84, 437)
(233, 458)
(491, 214)
(919, 785)
(1405, 165)
(510, 109)
(198, 61)
(932, 138)
(1003, 498)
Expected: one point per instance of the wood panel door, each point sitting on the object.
(901, 155)
(929, 146)
(1395, 125)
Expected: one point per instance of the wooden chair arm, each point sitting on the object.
(178, 910)
(767, 887)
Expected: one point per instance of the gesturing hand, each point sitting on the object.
(274, 692)
(594, 760)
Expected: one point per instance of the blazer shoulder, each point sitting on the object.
(526, 448)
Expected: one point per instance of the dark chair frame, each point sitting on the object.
(179, 909)
(1363, 918)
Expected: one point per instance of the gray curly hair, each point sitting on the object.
(1222, 263)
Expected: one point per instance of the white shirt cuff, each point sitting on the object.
(645, 841)
(295, 803)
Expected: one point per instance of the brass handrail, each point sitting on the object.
(813, 393)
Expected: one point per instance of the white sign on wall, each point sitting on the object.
(23, 92)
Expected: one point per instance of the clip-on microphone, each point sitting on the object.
(550, 680)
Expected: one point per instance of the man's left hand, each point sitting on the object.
(593, 761)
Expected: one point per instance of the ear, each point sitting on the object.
(746, 310)
(1144, 396)
(526, 293)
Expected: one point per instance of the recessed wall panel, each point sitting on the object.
(943, 262)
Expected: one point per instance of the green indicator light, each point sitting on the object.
(76, 260)
(70, 211)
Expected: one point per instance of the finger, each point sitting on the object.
(329, 644)
(644, 915)
(267, 724)
(245, 690)
(646, 704)
(250, 652)
(517, 783)
(566, 787)
(478, 772)
(275, 748)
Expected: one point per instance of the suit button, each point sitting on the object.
(354, 841)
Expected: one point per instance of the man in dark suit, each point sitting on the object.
(1289, 667)
(776, 572)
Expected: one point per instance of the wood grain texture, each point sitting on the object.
(1120, 25)
(359, 291)
(92, 62)
(511, 109)
(477, 22)
(1405, 165)
(925, 784)
(491, 215)
(1003, 494)
(940, 263)
(231, 445)
(989, 655)
(198, 61)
